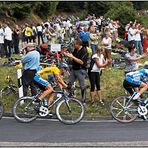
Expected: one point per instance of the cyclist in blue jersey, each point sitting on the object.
(136, 79)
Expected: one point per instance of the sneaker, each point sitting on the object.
(101, 102)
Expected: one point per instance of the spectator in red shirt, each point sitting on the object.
(145, 40)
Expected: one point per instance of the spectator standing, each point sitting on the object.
(79, 66)
(16, 33)
(52, 36)
(145, 40)
(98, 21)
(1, 41)
(23, 35)
(138, 43)
(84, 36)
(131, 32)
(7, 40)
(107, 44)
(126, 31)
(28, 33)
(40, 33)
(67, 27)
(31, 62)
(62, 33)
(94, 36)
(34, 34)
(94, 72)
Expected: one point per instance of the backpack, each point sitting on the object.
(92, 62)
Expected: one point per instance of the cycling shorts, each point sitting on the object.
(40, 82)
(127, 84)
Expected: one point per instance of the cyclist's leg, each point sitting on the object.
(48, 90)
(128, 87)
(43, 85)
(143, 88)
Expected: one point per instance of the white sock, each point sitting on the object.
(136, 96)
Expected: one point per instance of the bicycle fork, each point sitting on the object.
(67, 104)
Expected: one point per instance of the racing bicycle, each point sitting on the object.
(126, 110)
(10, 88)
(68, 110)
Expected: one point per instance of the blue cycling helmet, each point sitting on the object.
(51, 77)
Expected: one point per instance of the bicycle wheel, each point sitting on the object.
(70, 111)
(1, 109)
(121, 112)
(24, 110)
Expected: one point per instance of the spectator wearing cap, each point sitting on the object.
(31, 63)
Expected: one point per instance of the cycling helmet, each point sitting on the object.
(63, 65)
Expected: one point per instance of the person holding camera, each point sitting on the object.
(31, 63)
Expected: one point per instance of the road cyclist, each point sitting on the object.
(68, 110)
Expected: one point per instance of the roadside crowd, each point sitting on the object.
(93, 38)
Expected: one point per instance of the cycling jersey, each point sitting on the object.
(137, 77)
(45, 72)
(42, 77)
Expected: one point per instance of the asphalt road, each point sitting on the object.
(47, 133)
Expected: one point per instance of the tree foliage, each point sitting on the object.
(21, 10)
(123, 11)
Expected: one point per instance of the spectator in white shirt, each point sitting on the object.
(40, 33)
(7, 40)
(131, 32)
(1, 41)
(107, 45)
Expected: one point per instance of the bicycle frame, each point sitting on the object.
(63, 95)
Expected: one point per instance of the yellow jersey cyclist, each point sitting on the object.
(42, 80)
